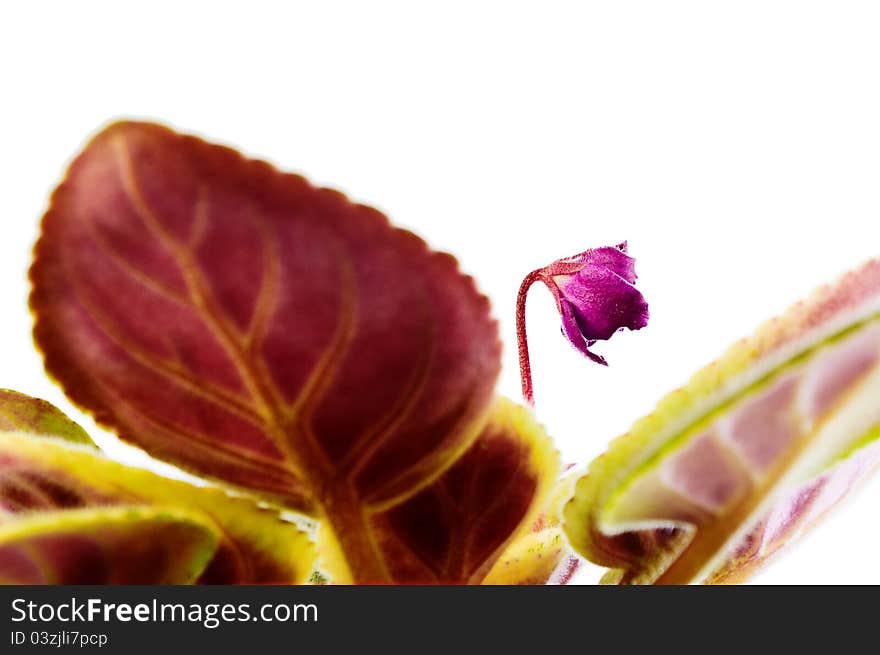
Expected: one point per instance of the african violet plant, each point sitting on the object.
(334, 379)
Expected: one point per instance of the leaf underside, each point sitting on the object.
(117, 545)
(747, 456)
(45, 477)
(260, 351)
(246, 326)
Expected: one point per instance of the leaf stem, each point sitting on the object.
(347, 517)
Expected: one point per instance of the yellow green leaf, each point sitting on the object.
(46, 474)
(19, 412)
(115, 545)
(755, 448)
(456, 529)
(540, 554)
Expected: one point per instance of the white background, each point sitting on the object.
(735, 145)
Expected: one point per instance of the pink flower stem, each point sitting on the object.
(525, 368)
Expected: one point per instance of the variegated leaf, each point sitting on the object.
(107, 545)
(41, 475)
(456, 529)
(743, 458)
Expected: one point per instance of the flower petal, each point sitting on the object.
(572, 332)
(603, 302)
(613, 258)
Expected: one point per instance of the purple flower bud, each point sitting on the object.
(596, 297)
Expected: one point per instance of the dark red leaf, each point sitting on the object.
(252, 328)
